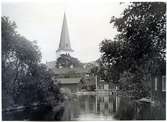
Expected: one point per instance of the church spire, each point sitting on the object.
(64, 44)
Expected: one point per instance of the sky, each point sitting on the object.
(88, 24)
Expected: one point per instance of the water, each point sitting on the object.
(91, 107)
(94, 107)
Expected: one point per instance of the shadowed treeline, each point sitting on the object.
(26, 81)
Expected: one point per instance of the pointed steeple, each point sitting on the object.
(64, 44)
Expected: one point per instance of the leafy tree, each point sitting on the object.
(87, 83)
(94, 70)
(24, 79)
(18, 54)
(65, 60)
(113, 59)
(41, 84)
(140, 45)
(143, 30)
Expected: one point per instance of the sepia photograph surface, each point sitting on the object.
(74, 60)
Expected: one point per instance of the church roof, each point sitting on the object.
(67, 70)
(64, 44)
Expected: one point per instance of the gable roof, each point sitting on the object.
(67, 70)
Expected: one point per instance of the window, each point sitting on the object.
(156, 83)
(163, 83)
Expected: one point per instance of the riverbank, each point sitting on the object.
(31, 106)
(21, 107)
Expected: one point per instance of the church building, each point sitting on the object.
(69, 77)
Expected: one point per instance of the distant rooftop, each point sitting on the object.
(69, 80)
(51, 64)
(67, 70)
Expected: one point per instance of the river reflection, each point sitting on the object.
(112, 107)
(91, 107)
(95, 107)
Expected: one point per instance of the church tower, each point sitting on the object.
(64, 44)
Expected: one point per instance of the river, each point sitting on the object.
(94, 107)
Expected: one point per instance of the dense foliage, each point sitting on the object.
(67, 61)
(88, 83)
(24, 79)
(139, 48)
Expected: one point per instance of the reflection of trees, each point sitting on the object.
(92, 103)
(126, 110)
(106, 104)
(129, 110)
(121, 107)
(114, 104)
(82, 103)
(87, 103)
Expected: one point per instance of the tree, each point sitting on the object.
(113, 59)
(24, 79)
(66, 61)
(18, 54)
(87, 83)
(143, 30)
(140, 43)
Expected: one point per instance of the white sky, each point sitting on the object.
(88, 24)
